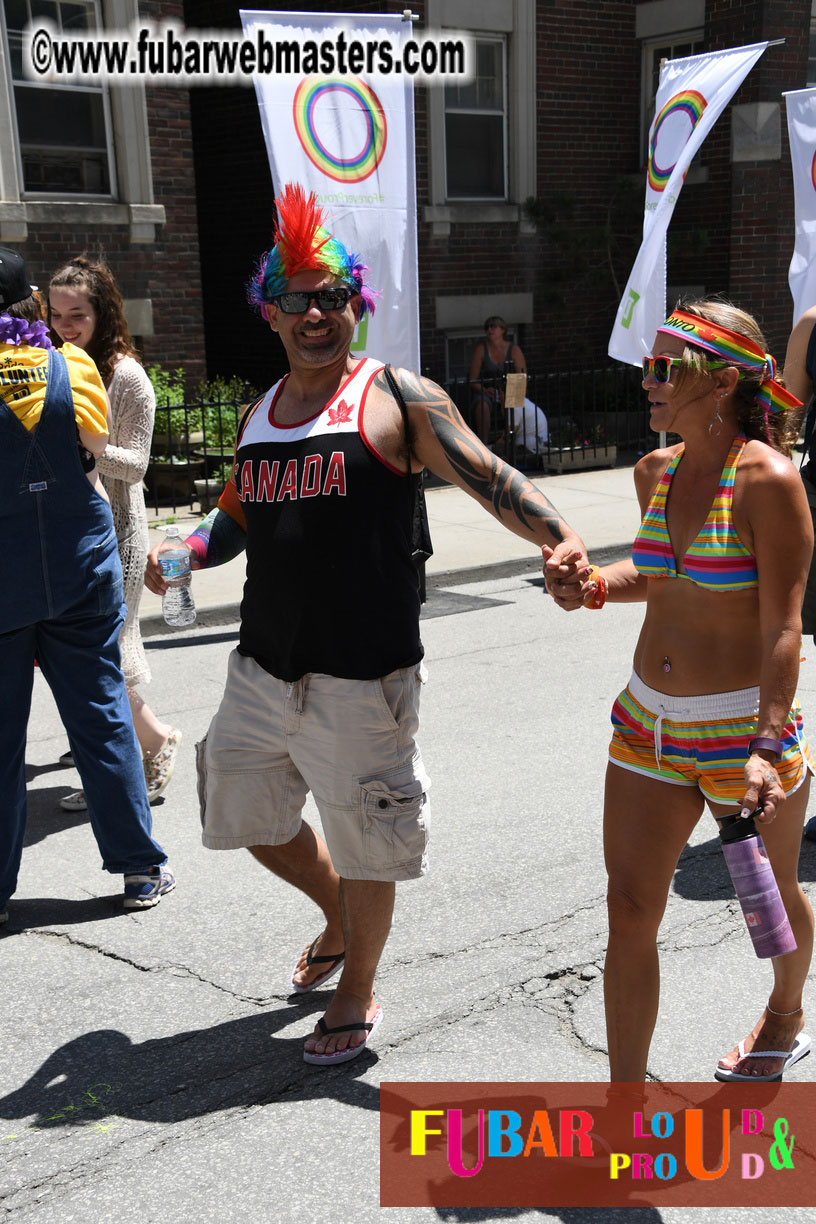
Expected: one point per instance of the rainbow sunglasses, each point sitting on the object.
(660, 368)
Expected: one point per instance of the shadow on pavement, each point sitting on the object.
(33, 913)
(46, 817)
(103, 1074)
(35, 771)
(702, 875)
(190, 639)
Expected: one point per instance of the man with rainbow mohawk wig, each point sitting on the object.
(302, 244)
(323, 689)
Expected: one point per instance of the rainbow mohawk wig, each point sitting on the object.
(302, 243)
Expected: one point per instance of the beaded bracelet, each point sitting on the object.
(601, 589)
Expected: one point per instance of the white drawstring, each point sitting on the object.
(658, 728)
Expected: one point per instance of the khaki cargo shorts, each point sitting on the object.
(350, 742)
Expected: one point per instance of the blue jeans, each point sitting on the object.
(79, 657)
(62, 603)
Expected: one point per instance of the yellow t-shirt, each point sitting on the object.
(22, 385)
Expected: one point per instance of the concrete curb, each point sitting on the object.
(229, 613)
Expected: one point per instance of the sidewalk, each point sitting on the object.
(600, 505)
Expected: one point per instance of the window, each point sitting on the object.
(674, 46)
(63, 131)
(57, 163)
(475, 128)
(482, 134)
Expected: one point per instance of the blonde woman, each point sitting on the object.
(710, 714)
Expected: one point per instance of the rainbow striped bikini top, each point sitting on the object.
(717, 559)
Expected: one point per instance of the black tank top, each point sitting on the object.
(491, 368)
(331, 586)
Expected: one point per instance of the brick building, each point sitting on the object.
(108, 172)
(559, 116)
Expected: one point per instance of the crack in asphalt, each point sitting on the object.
(177, 970)
(556, 991)
(64, 937)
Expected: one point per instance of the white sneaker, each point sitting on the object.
(74, 802)
(67, 758)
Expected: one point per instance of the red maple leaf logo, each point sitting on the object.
(341, 414)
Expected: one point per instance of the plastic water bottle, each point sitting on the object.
(755, 885)
(177, 603)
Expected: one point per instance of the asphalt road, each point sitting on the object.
(151, 1065)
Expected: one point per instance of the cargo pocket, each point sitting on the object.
(395, 826)
(201, 778)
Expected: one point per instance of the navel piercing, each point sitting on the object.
(666, 663)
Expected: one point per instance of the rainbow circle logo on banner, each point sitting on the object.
(341, 126)
(671, 131)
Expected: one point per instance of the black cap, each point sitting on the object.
(737, 828)
(14, 283)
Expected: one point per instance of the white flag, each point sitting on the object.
(692, 94)
(801, 107)
(350, 139)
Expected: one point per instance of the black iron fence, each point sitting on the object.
(191, 453)
(570, 420)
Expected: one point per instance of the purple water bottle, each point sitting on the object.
(755, 885)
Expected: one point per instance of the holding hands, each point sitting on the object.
(571, 580)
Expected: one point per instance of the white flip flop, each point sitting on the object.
(801, 1047)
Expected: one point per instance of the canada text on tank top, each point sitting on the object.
(308, 459)
(330, 582)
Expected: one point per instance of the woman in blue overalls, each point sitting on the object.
(65, 611)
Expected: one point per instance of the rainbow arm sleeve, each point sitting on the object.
(222, 534)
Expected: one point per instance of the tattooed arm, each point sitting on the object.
(440, 440)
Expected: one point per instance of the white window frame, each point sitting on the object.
(501, 42)
(57, 86)
(515, 21)
(133, 205)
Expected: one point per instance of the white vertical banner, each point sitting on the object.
(801, 108)
(350, 139)
(691, 96)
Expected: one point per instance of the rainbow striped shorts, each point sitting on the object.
(700, 741)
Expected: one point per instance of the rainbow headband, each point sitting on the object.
(302, 243)
(736, 350)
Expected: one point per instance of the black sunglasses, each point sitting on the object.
(327, 299)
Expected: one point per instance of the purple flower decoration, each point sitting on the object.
(20, 331)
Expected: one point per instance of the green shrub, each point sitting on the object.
(223, 401)
(169, 388)
(215, 406)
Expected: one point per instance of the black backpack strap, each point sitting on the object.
(400, 398)
(420, 528)
(807, 440)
